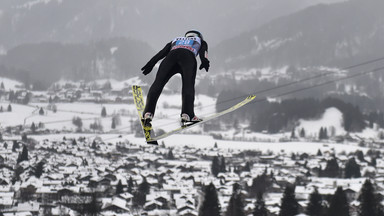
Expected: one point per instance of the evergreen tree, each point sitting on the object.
(2, 86)
(23, 156)
(223, 166)
(247, 167)
(236, 204)
(332, 169)
(1, 109)
(38, 170)
(369, 202)
(130, 185)
(321, 133)
(54, 108)
(260, 209)
(24, 137)
(215, 167)
(302, 133)
(113, 126)
(170, 155)
(293, 134)
(41, 111)
(77, 121)
(139, 198)
(289, 204)
(103, 112)
(373, 162)
(260, 184)
(352, 169)
(315, 207)
(144, 186)
(96, 125)
(9, 108)
(339, 204)
(360, 155)
(210, 205)
(94, 144)
(319, 153)
(119, 188)
(11, 96)
(94, 207)
(33, 127)
(15, 146)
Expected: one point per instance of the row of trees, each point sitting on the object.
(338, 205)
(276, 116)
(9, 108)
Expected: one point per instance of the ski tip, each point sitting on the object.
(153, 142)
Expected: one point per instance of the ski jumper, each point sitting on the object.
(180, 57)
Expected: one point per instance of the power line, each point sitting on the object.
(306, 88)
(296, 82)
(273, 88)
(300, 81)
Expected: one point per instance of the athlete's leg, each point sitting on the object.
(165, 72)
(187, 62)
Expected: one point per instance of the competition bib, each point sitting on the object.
(190, 43)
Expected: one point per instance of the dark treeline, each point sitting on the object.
(276, 116)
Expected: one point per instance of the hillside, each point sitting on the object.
(42, 64)
(328, 35)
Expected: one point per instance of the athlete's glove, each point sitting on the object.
(204, 64)
(147, 68)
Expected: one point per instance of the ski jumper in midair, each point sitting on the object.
(180, 57)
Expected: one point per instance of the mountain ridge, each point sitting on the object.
(330, 35)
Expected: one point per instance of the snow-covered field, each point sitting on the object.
(10, 84)
(167, 114)
(167, 118)
(332, 118)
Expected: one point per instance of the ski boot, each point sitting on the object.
(187, 121)
(147, 119)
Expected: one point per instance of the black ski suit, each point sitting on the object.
(178, 59)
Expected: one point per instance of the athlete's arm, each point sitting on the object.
(160, 55)
(203, 53)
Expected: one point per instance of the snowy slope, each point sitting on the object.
(10, 84)
(332, 117)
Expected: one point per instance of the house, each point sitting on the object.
(188, 212)
(6, 200)
(152, 205)
(117, 205)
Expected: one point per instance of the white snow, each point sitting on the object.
(116, 84)
(10, 84)
(201, 141)
(113, 50)
(332, 118)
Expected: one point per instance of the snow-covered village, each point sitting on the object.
(54, 165)
(198, 108)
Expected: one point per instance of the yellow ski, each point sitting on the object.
(140, 105)
(216, 115)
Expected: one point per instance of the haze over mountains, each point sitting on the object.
(45, 40)
(152, 21)
(331, 35)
